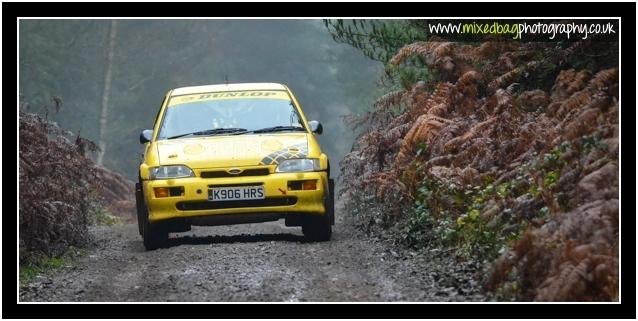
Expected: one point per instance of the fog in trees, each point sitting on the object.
(108, 79)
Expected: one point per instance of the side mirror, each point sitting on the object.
(146, 136)
(315, 127)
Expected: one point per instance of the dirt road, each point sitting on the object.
(252, 262)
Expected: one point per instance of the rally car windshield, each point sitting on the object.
(229, 117)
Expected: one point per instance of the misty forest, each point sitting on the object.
(466, 171)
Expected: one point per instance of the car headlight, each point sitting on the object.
(170, 171)
(298, 165)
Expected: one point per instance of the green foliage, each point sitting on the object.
(377, 39)
(406, 75)
(552, 160)
(421, 221)
(380, 40)
(534, 190)
(29, 271)
(504, 189)
(104, 217)
(421, 148)
(464, 227)
(591, 143)
(475, 238)
(550, 179)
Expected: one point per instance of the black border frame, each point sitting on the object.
(627, 12)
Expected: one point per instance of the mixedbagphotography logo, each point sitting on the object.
(526, 30)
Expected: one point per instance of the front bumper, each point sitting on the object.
(278, 199)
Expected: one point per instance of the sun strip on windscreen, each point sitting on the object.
(178, 100)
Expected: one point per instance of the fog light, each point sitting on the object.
(161, 191)
(310, 185)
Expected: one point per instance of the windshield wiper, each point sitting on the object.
(278, 129)
(216, 131)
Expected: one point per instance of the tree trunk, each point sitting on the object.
(106, 92)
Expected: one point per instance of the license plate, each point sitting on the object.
(236, 193)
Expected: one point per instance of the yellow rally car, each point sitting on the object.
(232, 154)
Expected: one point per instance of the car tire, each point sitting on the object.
(155, 235)
(319, 228)
(331, 204)
(141, 208)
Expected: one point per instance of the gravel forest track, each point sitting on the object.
(249, 262)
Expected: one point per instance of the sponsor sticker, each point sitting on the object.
(295, 151)
(229, 95)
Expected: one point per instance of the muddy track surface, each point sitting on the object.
(250, 262)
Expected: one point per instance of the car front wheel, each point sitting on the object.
(155, 235)
(319, 228)
(141, 208)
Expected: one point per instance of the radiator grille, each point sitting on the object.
(247, 172)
